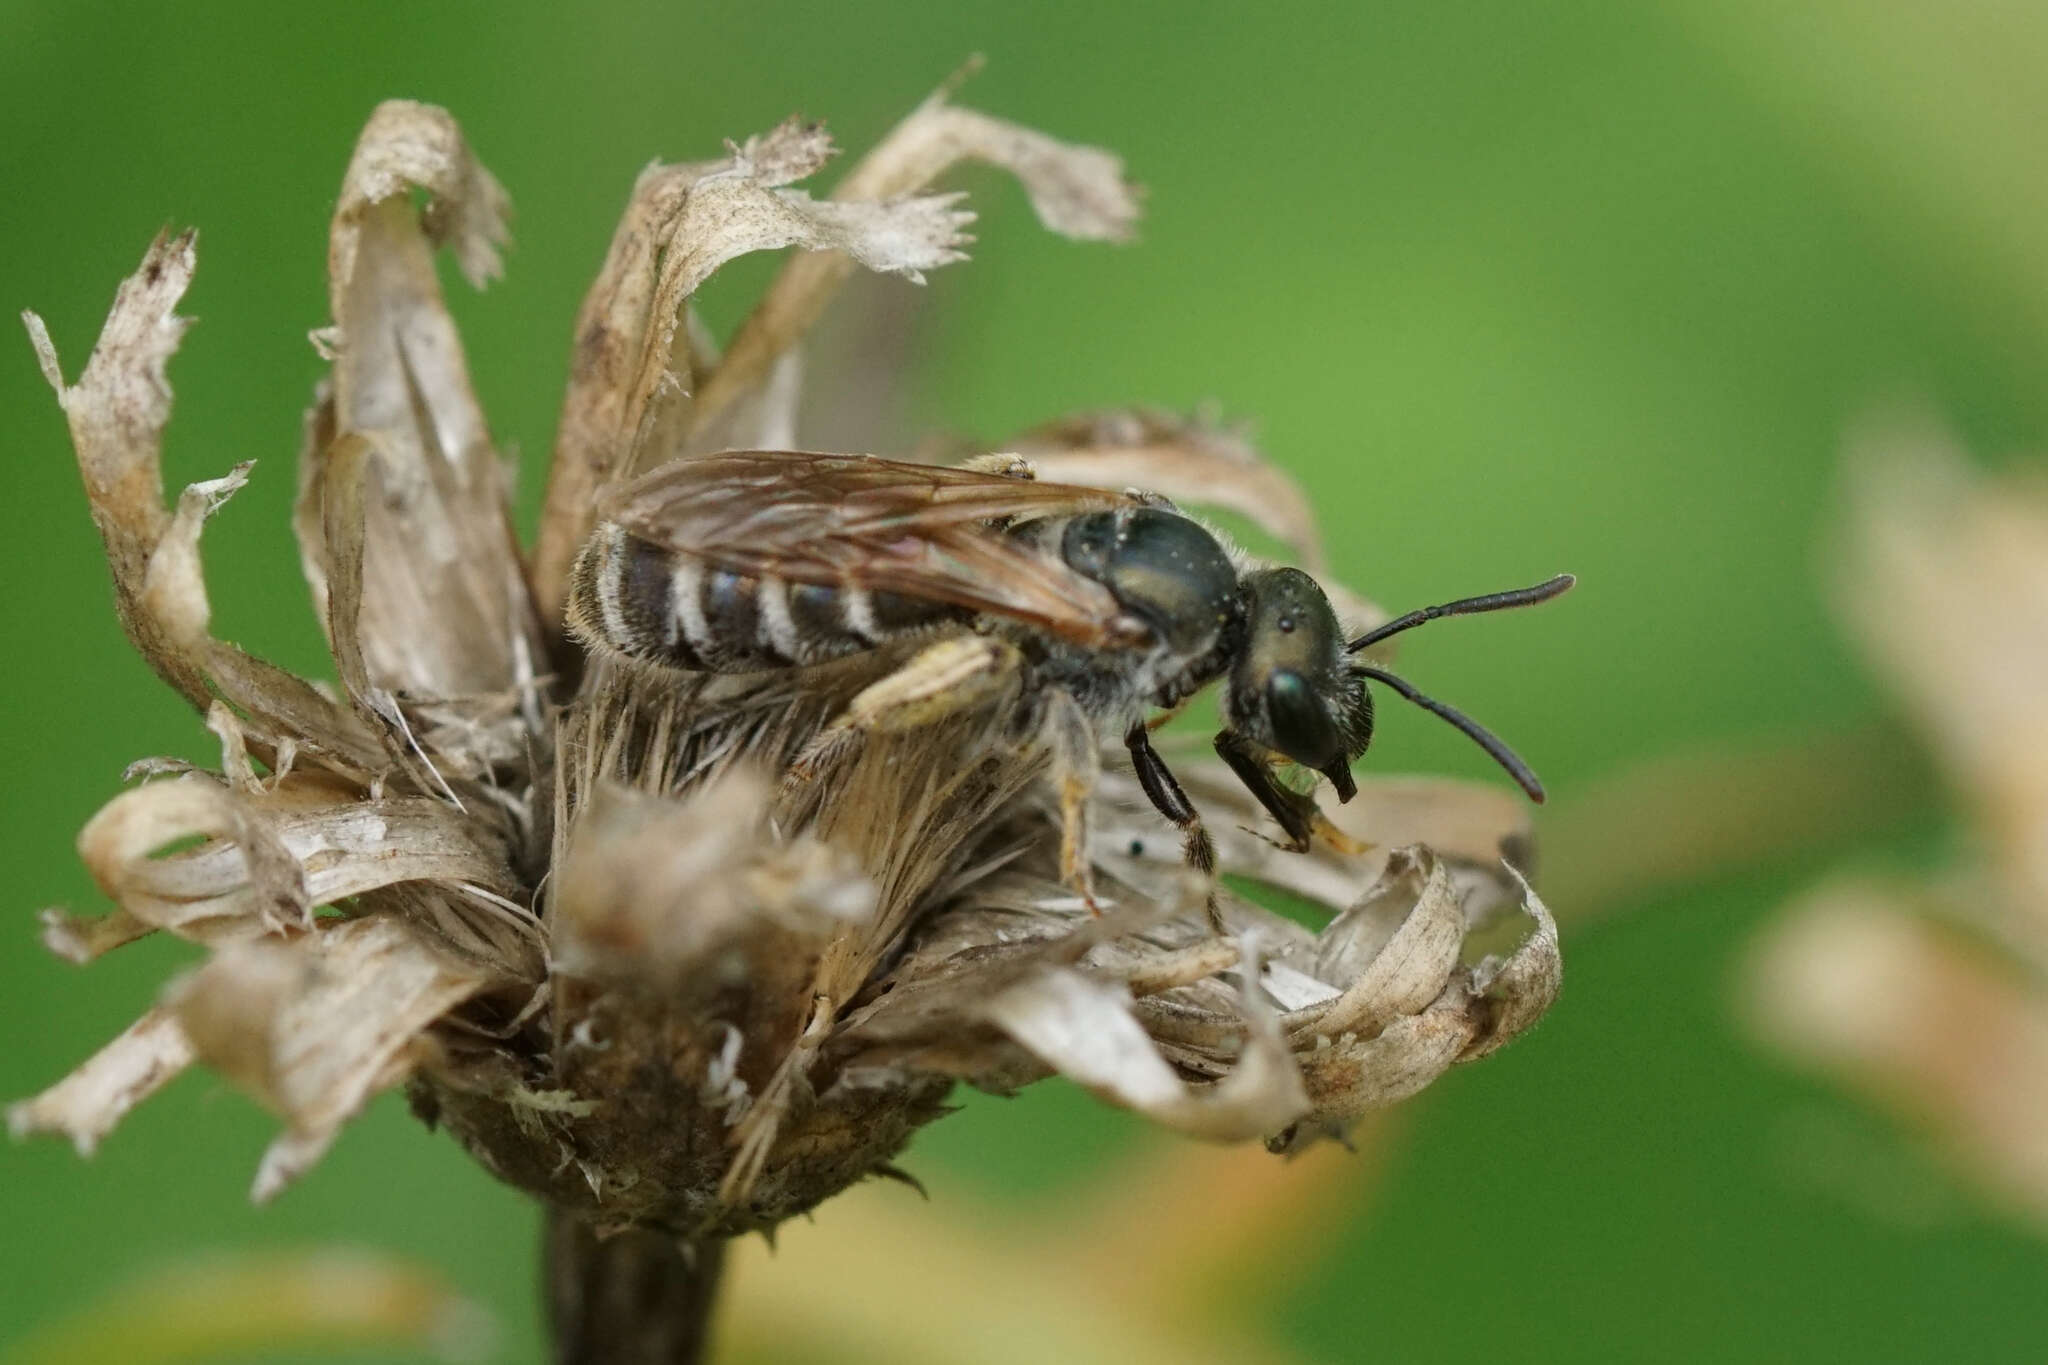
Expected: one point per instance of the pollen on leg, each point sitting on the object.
(1074, 868)
(830, 742)
(1071, 738)
(945, 678)
(1326, 829)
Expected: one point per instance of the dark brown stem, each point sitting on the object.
(634, 1298)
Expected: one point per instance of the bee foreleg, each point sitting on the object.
(943, 679)
(1295, 813)
(1298, 815)
(1170, 714)
(1076, 764)
(1164, 791)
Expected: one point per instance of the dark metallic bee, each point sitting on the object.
(1103, 605)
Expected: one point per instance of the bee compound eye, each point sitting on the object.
(1302, 727)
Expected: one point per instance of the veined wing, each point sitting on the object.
(886, 525)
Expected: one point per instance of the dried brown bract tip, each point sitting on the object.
(1925, 994)
(576, 906)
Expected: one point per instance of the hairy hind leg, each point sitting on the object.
(957, 674)
(945, 678)
(1076, 765)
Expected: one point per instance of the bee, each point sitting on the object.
(1099, 610)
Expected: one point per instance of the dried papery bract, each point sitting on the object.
(403, 516)
(333, 819)
(1076, 191)
(1925, 996)
(580, 909)
(116, 412)
(1166, 1021)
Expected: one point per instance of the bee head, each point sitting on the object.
(1293, 688)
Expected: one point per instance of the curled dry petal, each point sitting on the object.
(1392, 974)
(264, 859)
(1077, 191)
(407, 146)
(1858, 982)
(437, 543)
(1377, 1005)
(173, 587)
(727, 214)
(117, 412)
(1084, 1029)
(1926, 998)
(593, 437)
(1354, 1076)
(1520, 987)
(81, 938)
(635, 370)
(1945, 581)
(1473, 827)
(793, 150)
(314, 1026)
(86, 1105)
(1381, 1041)
(240, 881)
(349, 488)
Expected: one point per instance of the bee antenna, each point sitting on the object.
(1466, 606)
(1474, 731)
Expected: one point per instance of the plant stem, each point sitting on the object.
(633, 1298)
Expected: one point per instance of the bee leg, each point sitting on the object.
(1170, 714)
(823, 747)
(1299, 816)
(1070, 738)
(943, 679)
(1164, 791)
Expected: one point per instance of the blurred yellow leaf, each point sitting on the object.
(261, 1304)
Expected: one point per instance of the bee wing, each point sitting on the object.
(886, 525)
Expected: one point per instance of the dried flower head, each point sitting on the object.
(568, 903)
(1925, 996)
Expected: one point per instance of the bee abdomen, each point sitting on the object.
(674, 609)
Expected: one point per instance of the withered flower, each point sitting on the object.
(1925, 995)
(567, 903)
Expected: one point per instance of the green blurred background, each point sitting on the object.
(1513, 288)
